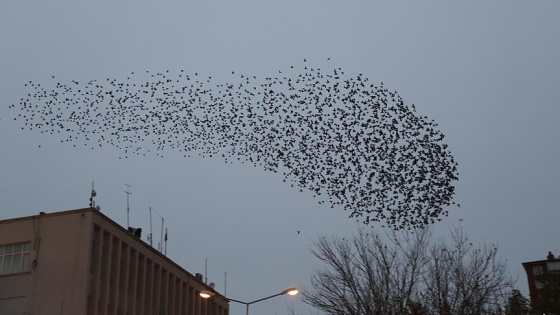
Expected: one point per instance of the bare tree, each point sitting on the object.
(367, 274)
(462, 278)
(406, 273)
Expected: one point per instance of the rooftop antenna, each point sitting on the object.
(211, 284)
(165, 253)
(160, 244)
(161, 239)
(128, 193)
(151, 235)
(93, 194)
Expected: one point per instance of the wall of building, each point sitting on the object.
(129, 277)
(543, 279)
(81, 262)
(55, 280)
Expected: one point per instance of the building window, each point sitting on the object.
(14, 258)
(537, 270)
(553, 267)
(539, 285)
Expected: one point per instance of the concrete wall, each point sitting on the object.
(56, 281)
(81, 262)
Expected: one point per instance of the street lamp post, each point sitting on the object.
(290, 291)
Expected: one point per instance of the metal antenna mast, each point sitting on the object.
(165, 252)
(160, 244)
(161, 239)
(128, 193)
(151, 235)
(93, 194)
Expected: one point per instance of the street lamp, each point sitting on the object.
(291, 291)
(205, 294)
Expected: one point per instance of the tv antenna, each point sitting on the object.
(165, 252)
(151, 235)
(160, 244)
(93, 194)
(128, 193)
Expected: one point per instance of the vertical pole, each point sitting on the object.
(247, 309)
(161, 239)
(93, 194)
(165, 253)
(128, 193)
(151, 234)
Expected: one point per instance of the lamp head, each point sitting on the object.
(291, 291)
(205, 294)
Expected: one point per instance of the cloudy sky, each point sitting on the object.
(486, 71)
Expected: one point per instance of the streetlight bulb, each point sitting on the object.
(205, 294)
(291, 291)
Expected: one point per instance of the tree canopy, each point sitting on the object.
(407, 273)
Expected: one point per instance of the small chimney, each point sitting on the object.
(198, 276)
(550, 256)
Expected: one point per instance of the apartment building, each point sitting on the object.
(543, 277)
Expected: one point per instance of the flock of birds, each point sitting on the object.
(353, 144)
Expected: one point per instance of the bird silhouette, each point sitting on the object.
(350, 143)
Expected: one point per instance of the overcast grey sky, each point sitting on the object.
(487, 72)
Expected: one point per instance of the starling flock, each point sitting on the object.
(351, 143)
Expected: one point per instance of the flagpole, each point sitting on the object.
(165, 242)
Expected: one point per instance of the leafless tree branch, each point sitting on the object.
(407, 273)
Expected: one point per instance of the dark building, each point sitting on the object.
(543, 277)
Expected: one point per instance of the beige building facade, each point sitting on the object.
(82, 262)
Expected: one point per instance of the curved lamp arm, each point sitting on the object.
(291, 291)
